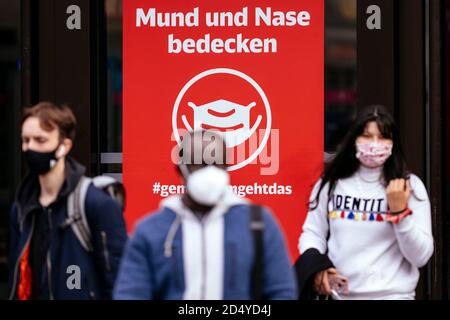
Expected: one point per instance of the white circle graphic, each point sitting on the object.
(240, 75)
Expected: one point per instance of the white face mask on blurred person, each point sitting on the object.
(206, 185)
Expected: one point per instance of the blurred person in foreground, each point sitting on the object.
(207, 243)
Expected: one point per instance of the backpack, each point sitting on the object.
(76, 213)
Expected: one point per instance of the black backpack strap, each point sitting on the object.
(257, 228)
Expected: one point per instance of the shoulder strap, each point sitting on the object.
(257, 228)
(77, 214)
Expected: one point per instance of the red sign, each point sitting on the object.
(253, 72)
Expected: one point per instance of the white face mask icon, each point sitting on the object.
(232, 120)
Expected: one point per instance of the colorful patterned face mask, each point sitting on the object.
(373, 154)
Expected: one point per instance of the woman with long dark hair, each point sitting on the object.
(368, 229)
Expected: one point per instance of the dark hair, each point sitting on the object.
(52, 116)
(345, 163)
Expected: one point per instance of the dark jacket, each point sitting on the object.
(306, 267)
(43, 228)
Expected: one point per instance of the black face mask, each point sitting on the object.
(40, 162)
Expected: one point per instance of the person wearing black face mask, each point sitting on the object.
(42, 162)
(46, 258)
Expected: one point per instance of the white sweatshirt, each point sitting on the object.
(380, 259)
(202, 245)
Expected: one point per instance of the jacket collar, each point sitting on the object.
(27, 196)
